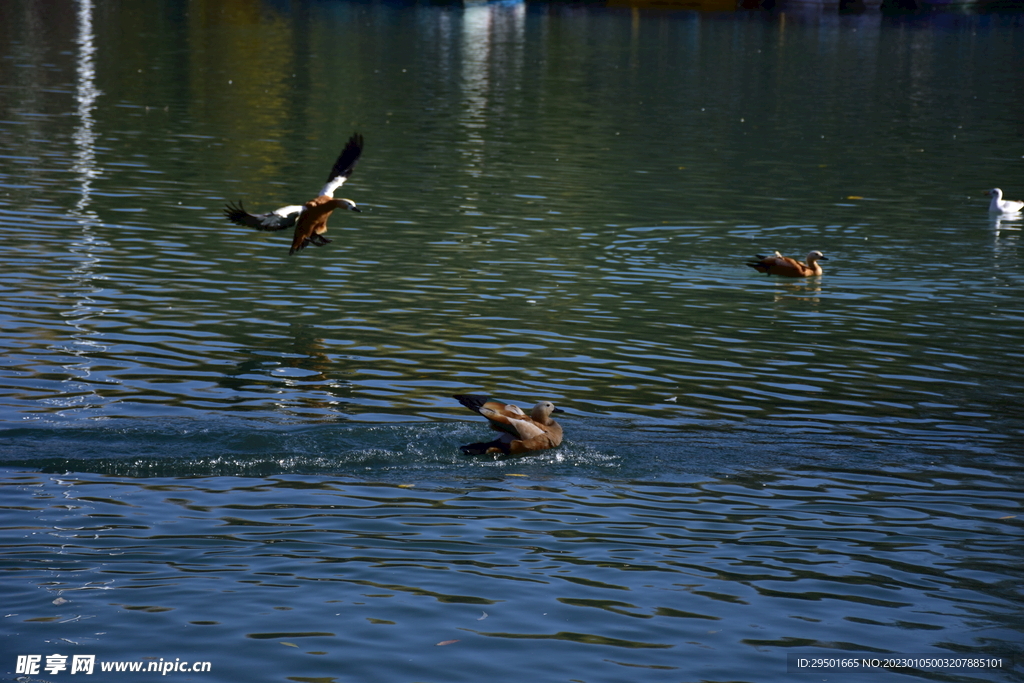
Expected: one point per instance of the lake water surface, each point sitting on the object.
(212, 451)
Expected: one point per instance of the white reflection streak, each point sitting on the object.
(487, 30)
(476, 50)
(514, 31)
(999, 241)
(85, 95)
(84, 248)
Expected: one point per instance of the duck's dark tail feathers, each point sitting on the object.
(760, 267)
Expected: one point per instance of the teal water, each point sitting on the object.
(213, 451)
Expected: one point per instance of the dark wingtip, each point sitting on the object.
(234, 213)
(471, 401)
(346, 161)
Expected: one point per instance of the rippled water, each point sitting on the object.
(535, 576)
(558, 202)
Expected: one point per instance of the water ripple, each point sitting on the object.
(669, 567)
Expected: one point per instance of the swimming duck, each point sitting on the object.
(520, 433)
(1000, 205)
(777, 264)
(309, 219)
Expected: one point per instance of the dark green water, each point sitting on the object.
(214, 451)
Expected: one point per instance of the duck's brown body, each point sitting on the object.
(520, 433)
(312, 223)
(777, 264)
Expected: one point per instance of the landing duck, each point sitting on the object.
(309, 219)
(520, 433)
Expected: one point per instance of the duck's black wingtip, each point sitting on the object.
(346, 161)
(472, 401)
(235, 213)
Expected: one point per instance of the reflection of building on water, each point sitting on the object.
(476, 46)
(805, 5)
(85, 97)
(491, 47)
(699, 5)
(487, 31)
(85, 247)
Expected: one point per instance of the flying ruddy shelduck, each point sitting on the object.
(520, 433)
(309, 219)
(777, 264)
(1000, 205)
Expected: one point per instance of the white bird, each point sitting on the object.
(1000, 205)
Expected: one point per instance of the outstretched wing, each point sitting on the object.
(280, 219)
(343, 165)
(502, 416)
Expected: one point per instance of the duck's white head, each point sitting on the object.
(995, 192)
(347, 204)
(542, 411)
(816, 256)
